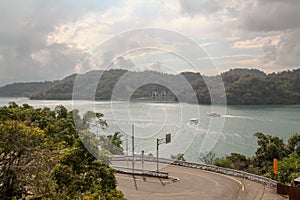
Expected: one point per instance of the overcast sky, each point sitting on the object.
(47, 40)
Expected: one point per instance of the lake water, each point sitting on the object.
(231, 132)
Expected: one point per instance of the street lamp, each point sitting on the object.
(165, 140)
(132, 138)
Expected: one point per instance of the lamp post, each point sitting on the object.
(166, 140)
(132, 137)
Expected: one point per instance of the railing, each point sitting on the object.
(206, 167)
(142, 172)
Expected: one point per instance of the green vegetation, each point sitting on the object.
(243, 86)
(42, 156)
(179, 156)
(269, 147)
(23, 89)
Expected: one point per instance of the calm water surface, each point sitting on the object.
(237, 124)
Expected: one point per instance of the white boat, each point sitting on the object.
(214, 114)
(194, 121)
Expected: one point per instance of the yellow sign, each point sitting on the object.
(275, 164)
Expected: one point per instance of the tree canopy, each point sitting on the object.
(42, 156)
(269, 148)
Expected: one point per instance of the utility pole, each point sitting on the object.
(157, 150)
(132, 149)
(126, 138)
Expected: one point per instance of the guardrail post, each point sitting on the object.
(143, 159)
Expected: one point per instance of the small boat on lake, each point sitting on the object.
(214, 114)
(194, 121)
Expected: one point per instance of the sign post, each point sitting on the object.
(166, 140)
(143, 153)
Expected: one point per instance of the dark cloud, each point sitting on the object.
(275, 17)
(201, 7)
(289, 48)
(286, 52)
(270, 15)
(270, 51)
(24, 29)
(51, 63)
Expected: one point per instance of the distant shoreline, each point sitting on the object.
(150, 101)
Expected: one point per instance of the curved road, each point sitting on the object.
(187, 183)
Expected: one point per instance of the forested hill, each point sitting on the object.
(243, 86)
(24, 89)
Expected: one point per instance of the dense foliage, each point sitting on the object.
(269, 147)
(243, 86)
(42, 156)
(24, 89)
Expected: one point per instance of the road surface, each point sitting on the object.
(186, 183)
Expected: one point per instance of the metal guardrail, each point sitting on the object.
(142, 172)
(230, 172)
(212, 168)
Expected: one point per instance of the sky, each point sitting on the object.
(48, 40)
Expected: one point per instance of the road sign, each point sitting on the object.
(275, 164)
(168, 138)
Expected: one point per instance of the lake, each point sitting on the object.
(231, 132)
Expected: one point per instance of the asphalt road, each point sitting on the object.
(186, 183)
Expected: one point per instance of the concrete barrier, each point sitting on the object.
(201, 166)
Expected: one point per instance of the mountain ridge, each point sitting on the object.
(242, 86)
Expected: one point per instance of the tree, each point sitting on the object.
(37, 146)
(234, 160)
(79, 174)
(269, 147)
(113, 143)
(179, 156)
(208, 158)
(222, 162)
(294, 144)
(18, 146)
(238, 161)
(289, 169)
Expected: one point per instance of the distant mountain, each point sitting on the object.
(244, 71)
(243, 86)
(23, 89)
(58, 90)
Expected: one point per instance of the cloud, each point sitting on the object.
(288, 50)
(270, 51)
(25, 52)
(50, 63)
(257, 42)
(201, 7)
(44, 40)
(270, 15)
(123, 63)
(154, 66)
(274, 17)
(248, 62)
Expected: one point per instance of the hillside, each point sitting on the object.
(243, 86)
(23, 89)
